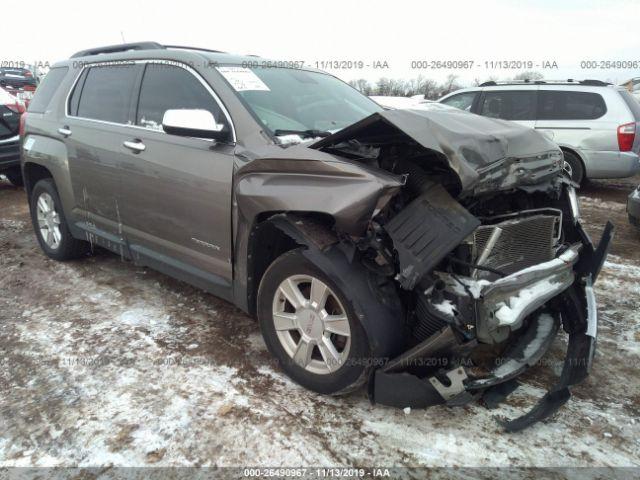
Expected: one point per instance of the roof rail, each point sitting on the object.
(123, 47)
(596, 83)
(181, 47)
(570, 81)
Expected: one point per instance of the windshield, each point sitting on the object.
(287, 100)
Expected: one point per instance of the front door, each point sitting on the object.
(177, 190)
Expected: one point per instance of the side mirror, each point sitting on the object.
(194, 123)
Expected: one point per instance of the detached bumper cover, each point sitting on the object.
(574, 305)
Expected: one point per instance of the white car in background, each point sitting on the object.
(412, 103)
(394, 102)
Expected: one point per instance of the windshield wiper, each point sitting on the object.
(303, 133)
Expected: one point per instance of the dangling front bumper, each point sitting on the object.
(565, 284)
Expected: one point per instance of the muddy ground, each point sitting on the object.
(106, 363)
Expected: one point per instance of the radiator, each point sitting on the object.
(511, 243)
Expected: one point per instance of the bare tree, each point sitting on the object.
(362, 85)
(529, 75)
(407, 88)
(430, 89)
(450, 84)
(382, 87)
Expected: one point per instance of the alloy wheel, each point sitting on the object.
(48, 221)
(311, 324)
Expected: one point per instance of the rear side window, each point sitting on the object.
(463, 101)
(47, 89)
(509, 105)
(167, 87)
(632, 103)
(74, 99)
(567, 105)
(106, 93)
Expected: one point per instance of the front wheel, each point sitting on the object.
(310, 326)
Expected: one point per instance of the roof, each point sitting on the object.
(135, 50)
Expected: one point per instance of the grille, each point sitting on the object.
(522, 241)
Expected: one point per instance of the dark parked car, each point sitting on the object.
(19, 82)
(431, 254)
(10, 111)
(14, 77)
(633, 207)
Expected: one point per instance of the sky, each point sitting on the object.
(399, 37)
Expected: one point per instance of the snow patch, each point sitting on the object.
(510, 312)
(543, 329)
(446, 307)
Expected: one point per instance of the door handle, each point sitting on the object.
(136, 146)
(64, 131)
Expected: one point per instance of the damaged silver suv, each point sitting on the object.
(432, 255)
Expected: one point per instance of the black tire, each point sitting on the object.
(353, 372)
(576, 167)
(69, 247)
(14, 175)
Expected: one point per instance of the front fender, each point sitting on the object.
(349, 192)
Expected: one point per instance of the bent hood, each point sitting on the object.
(486, 154)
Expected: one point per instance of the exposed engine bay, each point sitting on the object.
(489, 264)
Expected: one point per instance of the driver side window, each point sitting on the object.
(168, 87)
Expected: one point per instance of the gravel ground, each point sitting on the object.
(105, 363)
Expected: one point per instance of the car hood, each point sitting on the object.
(486, 154)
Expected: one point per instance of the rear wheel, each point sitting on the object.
(310, 326)
(50, 224)
(14, 175)
(573, 167)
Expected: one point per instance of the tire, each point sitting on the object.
(343, 376)
(574, 167)
(67, 247)
(14, 175)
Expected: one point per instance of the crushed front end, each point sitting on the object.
(485, 249)
(491, 307)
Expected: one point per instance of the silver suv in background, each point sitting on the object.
(594, 123)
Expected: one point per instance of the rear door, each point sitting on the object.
(176, 190)
(509, 104)
(95, 129)
(578, 119)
